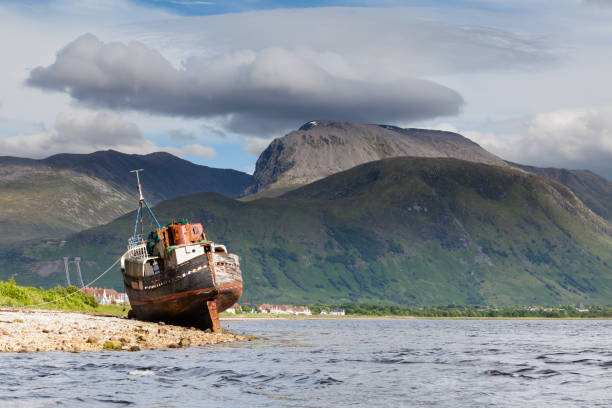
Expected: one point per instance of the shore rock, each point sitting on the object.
(49, 330)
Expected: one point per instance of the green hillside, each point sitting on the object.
(43, 202)
(412, 231)
(592, 189)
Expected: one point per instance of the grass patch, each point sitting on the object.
(63, 298)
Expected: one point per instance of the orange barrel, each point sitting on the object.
(179, 234)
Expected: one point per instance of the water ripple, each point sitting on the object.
(329, 363)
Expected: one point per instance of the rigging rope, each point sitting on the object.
(86, 286)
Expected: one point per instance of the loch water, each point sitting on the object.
(337, 363)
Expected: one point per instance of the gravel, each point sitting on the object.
(28, 330)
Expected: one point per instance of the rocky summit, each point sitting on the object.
(322, 147)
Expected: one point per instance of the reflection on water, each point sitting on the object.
(330, 363)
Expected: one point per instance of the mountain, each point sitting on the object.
(321, 148)
(594, 190)
(417, 231)
(70, 192)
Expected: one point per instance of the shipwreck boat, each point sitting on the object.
(177, 275)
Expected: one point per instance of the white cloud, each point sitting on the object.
(82, 133)
(32, 32)
(256, 91)
(573, 138)
(573, 135)
(356, 43)
(206, 152)
(256, 145)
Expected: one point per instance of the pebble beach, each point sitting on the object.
(26, 330)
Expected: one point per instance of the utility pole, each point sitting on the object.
(67, 272)
(77, 261)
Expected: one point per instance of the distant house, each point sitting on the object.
(231, 310)
(285, 309)
(337, 312)
(106, 296)
(274, 309)
(324, 312)
(302, 310)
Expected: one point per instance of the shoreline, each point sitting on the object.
(30, 330)
(391, 317)
(291, 317)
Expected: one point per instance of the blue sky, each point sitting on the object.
(215, 82)
(201, 8)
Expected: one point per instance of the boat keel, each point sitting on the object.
(213, 316)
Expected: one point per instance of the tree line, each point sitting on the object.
(557, 311)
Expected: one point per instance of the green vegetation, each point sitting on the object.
(274, 190)
(592, 189)
(453, 311)
(66, 298)
(112, 345)
(404, 231)
(44, 202)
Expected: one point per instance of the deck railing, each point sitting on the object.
(137, 247)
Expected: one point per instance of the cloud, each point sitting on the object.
(256, 145)
(200, 151)
(253, 92)
(572, 135)
(578, 138)
(180, 135)
(99, 129)
(254, 73)
(213, 130)
(604, 3)
(82, 133)
(361, 43)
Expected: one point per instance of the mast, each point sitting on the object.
(142, 204)
(139, 185)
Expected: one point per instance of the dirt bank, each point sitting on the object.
(24, 330)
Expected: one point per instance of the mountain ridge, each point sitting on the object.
(114, 167)
(63, 193)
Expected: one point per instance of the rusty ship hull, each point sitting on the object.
(177, 276)
(182, 295)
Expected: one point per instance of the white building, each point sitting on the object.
(285, 309)
(106, 296)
